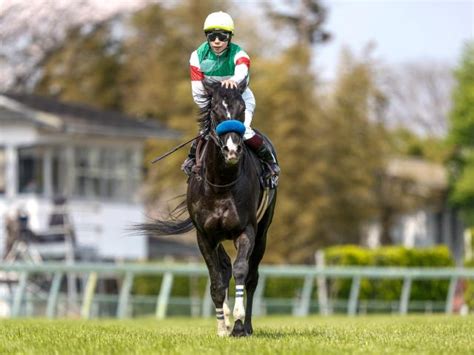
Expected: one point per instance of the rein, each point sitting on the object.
(230, 184)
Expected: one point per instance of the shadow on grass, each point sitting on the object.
(290, 333)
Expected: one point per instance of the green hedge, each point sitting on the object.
(183, 286)
(389, 290)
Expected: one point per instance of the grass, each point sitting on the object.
(273, 335)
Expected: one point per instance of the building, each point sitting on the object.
(93, 158)
(426, 219)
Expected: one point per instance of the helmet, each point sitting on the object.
(220, 21)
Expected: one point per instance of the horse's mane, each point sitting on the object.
(204, 116)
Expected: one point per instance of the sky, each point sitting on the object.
(404, 31)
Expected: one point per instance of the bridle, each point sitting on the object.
(220, 144)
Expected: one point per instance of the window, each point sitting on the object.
(3, 170)
(110, 173)
(59, 172)
(30, 164)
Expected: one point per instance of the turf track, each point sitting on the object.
(278, 335)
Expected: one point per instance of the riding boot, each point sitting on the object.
(264, 153)
(190, 161)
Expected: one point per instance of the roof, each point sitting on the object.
(51, 114)
(424, 173)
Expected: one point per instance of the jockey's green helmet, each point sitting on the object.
(219, 21)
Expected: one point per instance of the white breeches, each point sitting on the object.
(249, 99)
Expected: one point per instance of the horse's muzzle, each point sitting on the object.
(232, 159)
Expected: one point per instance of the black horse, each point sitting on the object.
(224, 201)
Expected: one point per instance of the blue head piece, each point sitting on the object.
(230, 126)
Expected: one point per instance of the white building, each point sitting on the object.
(430, 221)
(91, 157)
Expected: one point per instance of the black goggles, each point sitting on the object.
(222, 36)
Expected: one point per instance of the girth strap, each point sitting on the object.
(264, 202)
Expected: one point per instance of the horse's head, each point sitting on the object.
(227, 115)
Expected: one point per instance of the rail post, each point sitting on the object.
(88, 295)
(405, 296)
(163, 297)
(19, 294)
(124, 295)
(354, 296)
(450, 297)
(53, 295)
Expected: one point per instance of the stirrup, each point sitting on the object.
(271, 175)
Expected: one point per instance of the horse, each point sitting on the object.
(223, 201)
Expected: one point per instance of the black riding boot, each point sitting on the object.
(264, 153)
(190, 161)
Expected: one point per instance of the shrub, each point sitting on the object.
(392, 256)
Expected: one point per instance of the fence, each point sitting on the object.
(19, 278)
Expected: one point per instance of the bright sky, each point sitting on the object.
(403, 30)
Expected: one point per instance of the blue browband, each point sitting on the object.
(230, 126)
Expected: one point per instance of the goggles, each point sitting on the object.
(222, 36)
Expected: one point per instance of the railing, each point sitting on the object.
(19, 274)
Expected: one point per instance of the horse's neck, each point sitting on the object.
(216, 170)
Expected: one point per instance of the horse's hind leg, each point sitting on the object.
(218, 286)
(226, 267)
(244, 244)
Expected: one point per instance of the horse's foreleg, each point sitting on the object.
(218, 287)
(244, 244)
(226, 267)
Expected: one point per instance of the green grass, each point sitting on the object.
(273, 335)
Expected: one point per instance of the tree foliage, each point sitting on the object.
(461, 135)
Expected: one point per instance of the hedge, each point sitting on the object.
(390, 290)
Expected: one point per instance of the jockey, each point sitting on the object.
(219, 59)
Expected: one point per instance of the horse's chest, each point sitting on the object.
(220, 215)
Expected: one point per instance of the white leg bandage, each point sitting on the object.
(239, 309)
(221, 327)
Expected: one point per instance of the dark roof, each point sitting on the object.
(79, 118)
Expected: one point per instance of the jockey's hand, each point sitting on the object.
(229, 84)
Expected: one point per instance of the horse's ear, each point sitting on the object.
(242, 85)
(210, 85)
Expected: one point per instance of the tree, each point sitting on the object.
(286, 109)
(461, 136)
(33, 30)
(354, 149)
(418, 97)
(305, 17)
(85, 70)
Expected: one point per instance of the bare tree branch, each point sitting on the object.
(31, 30)
(419, 97)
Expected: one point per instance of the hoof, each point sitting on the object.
(248, 329)
(239, 329)
(223, 333)
(222, 330)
